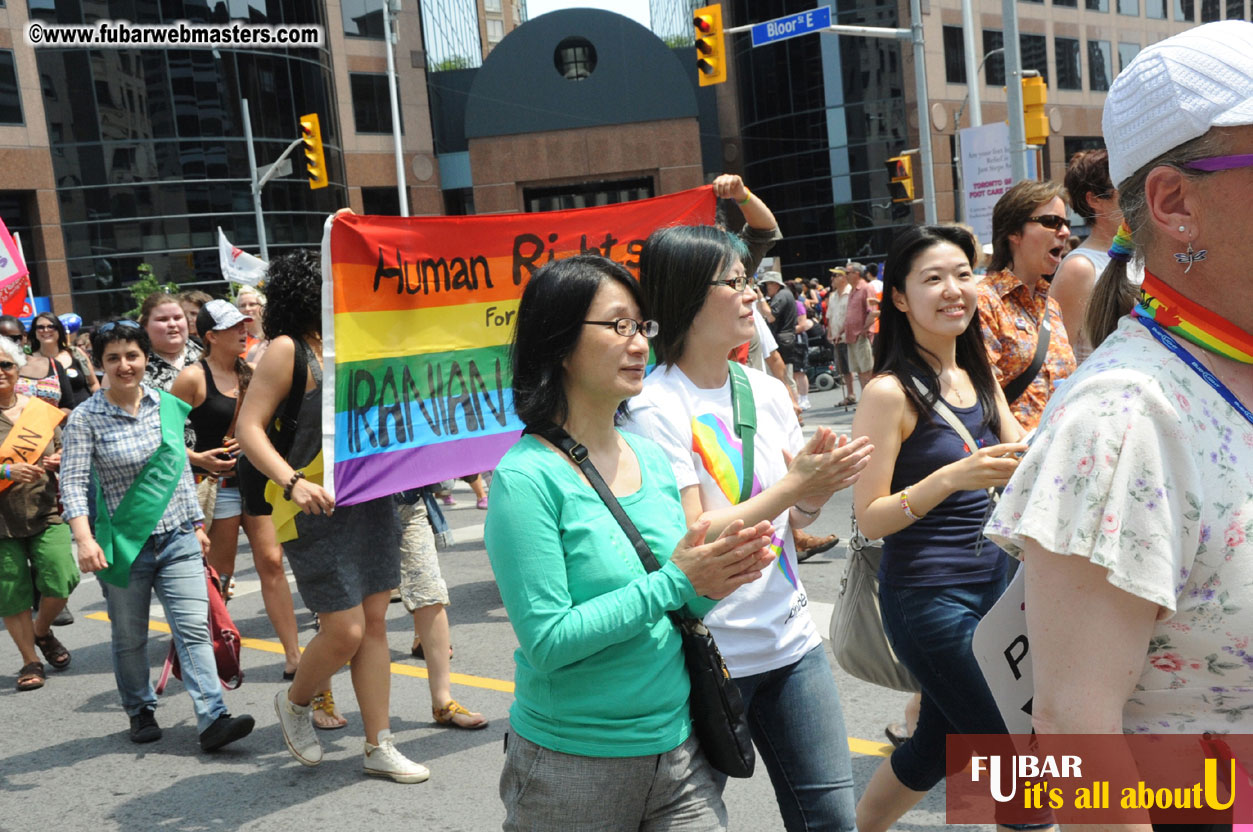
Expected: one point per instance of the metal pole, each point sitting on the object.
(252, 179)
(924, 120)
(1013, 85)
(391, 89)
(972, 72)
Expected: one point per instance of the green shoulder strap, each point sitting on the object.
(744, 412)
(124, 534)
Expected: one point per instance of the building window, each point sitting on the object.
(1035, 54)
(586, 195)
(1235, 9)
(491, 6)
(1096, 5)
(1131, 8)
(1069, 3)
(1185, 11)
(1100, 65)
(1155, 9)
(575, 58)
(994, 67)
(954, 55)
(363, 18)
(1211, 10)
(495, 30)
(1069, 65)
(371, 104)
(10, 100)
(380, 202)
(1127, 51)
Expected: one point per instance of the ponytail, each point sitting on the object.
(1114, 295)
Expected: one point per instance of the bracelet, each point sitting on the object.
(6, 473)
(299, 475)
(807, 512)
(198, 525)
(747, 196)
(905, 506)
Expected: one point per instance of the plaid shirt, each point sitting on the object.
(1010, 314)
(103, 437)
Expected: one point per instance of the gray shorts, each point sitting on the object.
(544, 790)
(421, 584)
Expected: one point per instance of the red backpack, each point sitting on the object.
(225, 636)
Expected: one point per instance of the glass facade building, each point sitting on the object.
(148, 146)
(819, 117)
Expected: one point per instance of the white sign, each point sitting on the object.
(986, 174)
(1000, 646)
(238, 266)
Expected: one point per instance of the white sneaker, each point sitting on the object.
(383, 760)
(297, 726)
(805, 405)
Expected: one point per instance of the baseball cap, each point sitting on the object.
(836, 270)
(771, 277)
(218, 314)
(1177, 89)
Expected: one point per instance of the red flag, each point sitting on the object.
(14, 296)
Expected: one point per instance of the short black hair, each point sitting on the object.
(293, 290)
(118, 330)
(16, 323)
(550, 321)
(677, 266)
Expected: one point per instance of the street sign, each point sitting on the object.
(284, 169)
(782, 28)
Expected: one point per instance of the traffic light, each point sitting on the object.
(1034, 97)
(311, 135)
(901, 172)
(711, 58)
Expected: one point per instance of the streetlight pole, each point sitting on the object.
(1013, 85)
(968, 42)
(972, 83)
(256, 191)
(388, 37)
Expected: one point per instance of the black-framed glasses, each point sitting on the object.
(45, 328)
(7, 366)
(111, 325)
(626, 327)
(1050, 221)
(739, 284)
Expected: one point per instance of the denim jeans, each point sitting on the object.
(171, 564)
(797, 724)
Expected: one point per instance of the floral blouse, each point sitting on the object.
(1010, 315)
(1141, 467)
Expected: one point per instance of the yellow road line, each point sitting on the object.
(855, 745)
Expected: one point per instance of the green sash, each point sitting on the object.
(125, 533)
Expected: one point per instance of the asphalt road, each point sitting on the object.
(66, 762)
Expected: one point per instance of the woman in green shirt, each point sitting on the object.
(600, 731)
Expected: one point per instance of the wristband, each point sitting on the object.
(807, 512)
(6, 473)
(198, 525)
(747, 196)
(299, 475)
(905, 506)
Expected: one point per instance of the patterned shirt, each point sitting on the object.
(103, 437)
(1010, 314)
(161, 374)
(1141, 468)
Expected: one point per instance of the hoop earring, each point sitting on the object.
(1190, 256)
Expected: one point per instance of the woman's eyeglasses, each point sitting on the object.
(1050, 221)
(7, 366)
(626, 327)
(45, 328)
(739, 284)
(111, 325)
(1217, 163)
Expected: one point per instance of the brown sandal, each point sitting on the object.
(325, 702)
(31, 677)
(447, 716)
(54, 651)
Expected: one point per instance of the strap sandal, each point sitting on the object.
(31, 677)
(448, 714)
(418, 653)
(323, 707)
(54, 651)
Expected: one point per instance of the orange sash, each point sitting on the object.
(30, 435)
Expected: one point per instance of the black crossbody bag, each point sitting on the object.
(718, 716)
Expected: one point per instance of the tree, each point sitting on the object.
(145, 286)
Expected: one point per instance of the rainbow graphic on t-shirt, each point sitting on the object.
(722, 454)
(776, 547)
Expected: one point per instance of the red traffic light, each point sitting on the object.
(704, 23)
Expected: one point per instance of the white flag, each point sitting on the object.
(238, 266)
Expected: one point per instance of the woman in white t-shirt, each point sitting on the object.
(697, 288)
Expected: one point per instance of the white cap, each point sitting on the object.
(1175, 91)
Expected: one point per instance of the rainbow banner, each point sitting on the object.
(417, 318)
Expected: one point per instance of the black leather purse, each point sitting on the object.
(717, 709)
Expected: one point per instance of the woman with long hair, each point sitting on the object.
(600, 729)
(696, 287)
(346, 559)
(213, 387)
(49, 340)
(925, 492)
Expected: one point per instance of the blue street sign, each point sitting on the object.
(782, 28)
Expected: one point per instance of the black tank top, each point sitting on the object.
(212, 419)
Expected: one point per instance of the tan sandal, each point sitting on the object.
(324, 703)
(448, 714)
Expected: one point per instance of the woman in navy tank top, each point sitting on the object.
(925, 493)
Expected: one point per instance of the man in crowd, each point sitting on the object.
(858, 320)
(836, 312)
